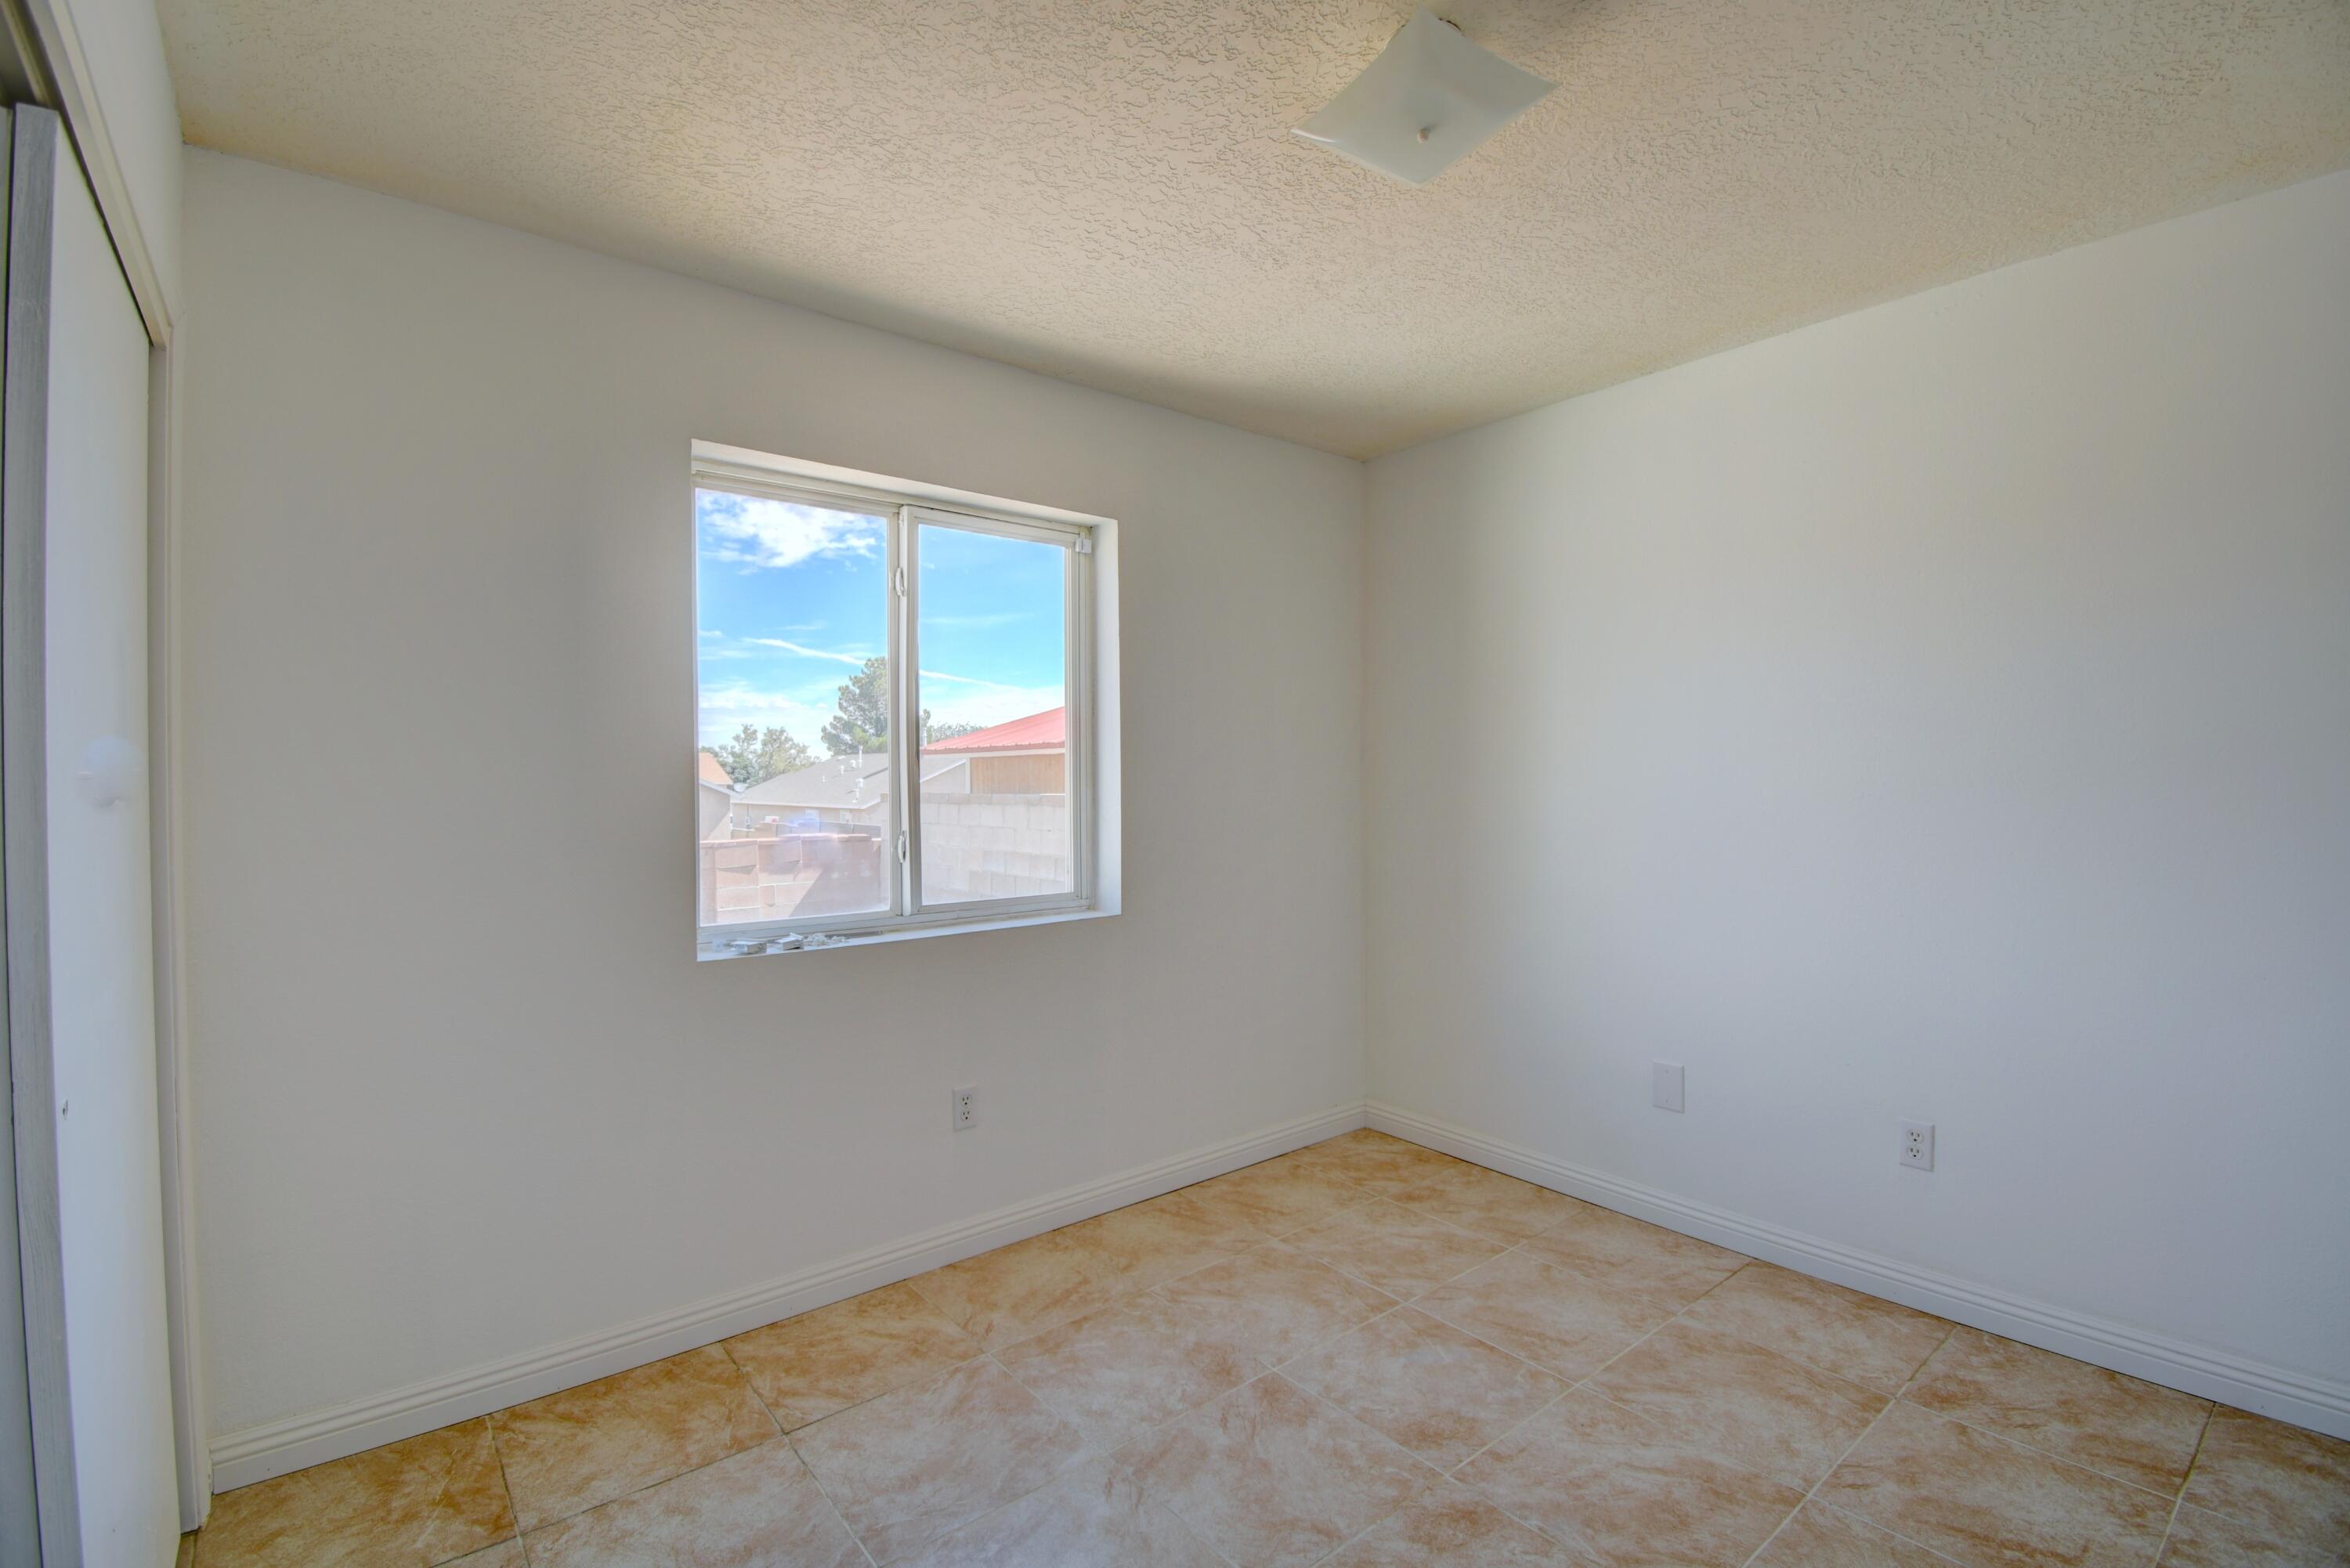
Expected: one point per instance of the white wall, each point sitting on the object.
(435, 528)
(1941, 712)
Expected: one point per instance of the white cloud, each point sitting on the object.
(806, 652)
(760, 534)
(726, 709)
(965, 680)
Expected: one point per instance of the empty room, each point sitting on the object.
(1138, 784)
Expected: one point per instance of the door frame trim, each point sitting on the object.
(24, 804)
(61, 76)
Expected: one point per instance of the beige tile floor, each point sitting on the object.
(1363, 1354)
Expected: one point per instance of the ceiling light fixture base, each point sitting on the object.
(1424, 104)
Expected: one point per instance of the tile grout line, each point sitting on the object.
(1192, 1529)
(2065, 1460)
(1813, 1490)
(831, 1502)
(2178, 1499)
(1643, 1415)
(1428, 1211)
(1567, 1386)
(1091, 1450)
(506, 1481)
(2171, 1523)
(1269, 1369)
(1263, 1236)
(783, 1436)
(1571, 1385)
(1344, 1414)
(1584, 1384)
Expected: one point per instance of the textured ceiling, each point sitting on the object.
(1108, 192)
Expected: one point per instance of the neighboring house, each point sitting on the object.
(836, 793)
(994, 815)
(1023, 756)
(713, 796)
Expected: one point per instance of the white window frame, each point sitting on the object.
(904, 513)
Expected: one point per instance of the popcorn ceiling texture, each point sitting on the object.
(1108, 192)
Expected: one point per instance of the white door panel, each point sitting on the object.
(100, 969)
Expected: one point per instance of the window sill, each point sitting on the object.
(706, 951)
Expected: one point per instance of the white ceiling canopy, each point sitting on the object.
(1108, 191)
(1424, 104)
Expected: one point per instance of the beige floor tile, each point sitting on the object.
(410, 1505)
(807, 1367)
(1283, 1195)
(2295, 1482)
(1095, 1513)
(1377, 1161)
(505, 1554)
(2133, 1431)
(603, 1439)
(1622, 1491)
(909, 1467)
(1140, 1330)
(755, 1510)
(1550, 1315)
(1424, 1383)
(1637, 1258)
(1149, 1243)
(1982, 1499)
(1840, 1331)
(1275, 1301)
(1449, 1526)
(1400, 1252)
(1820, 1537)
(1005, 1295)
(1116, 1374)
(2203, 1539)
(1487, 1202)
(1270, 1476)
(1750, 1406)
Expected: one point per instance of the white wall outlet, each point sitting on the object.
(966, 1108)
(1665, 1085)
(1917, 1145)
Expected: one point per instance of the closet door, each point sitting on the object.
(80, 953)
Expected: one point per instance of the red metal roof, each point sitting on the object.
(1045, 731)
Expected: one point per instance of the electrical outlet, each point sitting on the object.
(1666, 1080)
(1917, 1145)
(966, 1108)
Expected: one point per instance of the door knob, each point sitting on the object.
(111, 770)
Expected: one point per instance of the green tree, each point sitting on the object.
(755, 755)
(862, 722)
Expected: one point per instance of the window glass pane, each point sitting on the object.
(991, 630)
(793, 797)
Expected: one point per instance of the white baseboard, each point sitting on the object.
(2318, 1404)
(256, 1453)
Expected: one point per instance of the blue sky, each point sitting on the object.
(792, 603)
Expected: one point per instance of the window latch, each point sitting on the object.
(901, 850)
